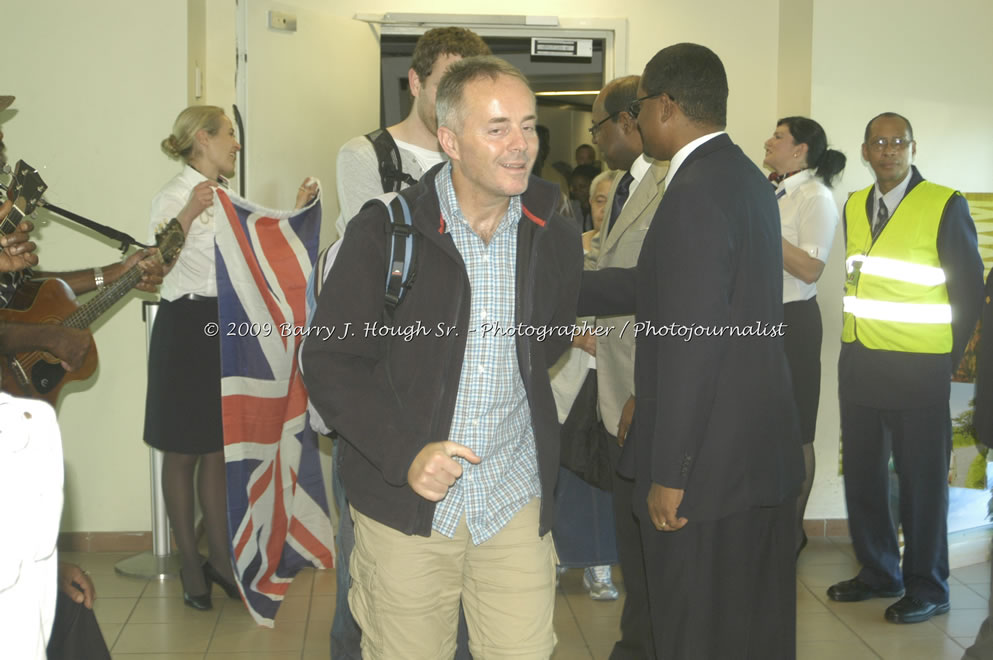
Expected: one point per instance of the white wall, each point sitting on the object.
(98, 85)
(743, 34)
(927, 61)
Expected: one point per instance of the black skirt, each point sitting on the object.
(803, 353)
(183, 401)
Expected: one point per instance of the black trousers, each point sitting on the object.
(636, 626)
(920, 441)
(75, 633)
(724, 589)
(982, 648)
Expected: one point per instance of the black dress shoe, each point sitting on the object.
(914, 610)
(855, 589)
(211, 574)
(201, 602)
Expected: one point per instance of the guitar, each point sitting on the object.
(40, 375)
(26, 189)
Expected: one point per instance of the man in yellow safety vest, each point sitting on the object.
(913, 293)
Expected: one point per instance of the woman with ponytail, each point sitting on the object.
(803, 169)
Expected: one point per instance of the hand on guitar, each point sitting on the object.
(17, 249)
(151, 264)
(69, 345)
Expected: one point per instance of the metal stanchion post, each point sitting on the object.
(158, 563)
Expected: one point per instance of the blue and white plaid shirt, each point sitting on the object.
(492, 416)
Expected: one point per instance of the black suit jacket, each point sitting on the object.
(983, 418)
(715, 413)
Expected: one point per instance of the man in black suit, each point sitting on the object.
(717, 450)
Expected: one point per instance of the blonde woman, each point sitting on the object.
(183, 404)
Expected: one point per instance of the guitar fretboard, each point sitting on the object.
(9, 224)
(88, 313)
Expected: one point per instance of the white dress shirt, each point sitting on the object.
(809, 217)
(677, 160)
(639, 168)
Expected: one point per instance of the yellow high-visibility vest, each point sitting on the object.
(895, 294)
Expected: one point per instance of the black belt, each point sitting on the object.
(198, 297)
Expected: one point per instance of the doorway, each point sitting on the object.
(565, 86)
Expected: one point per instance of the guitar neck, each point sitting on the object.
(100, 303)
(9, 224)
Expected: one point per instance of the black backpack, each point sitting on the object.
(390, 166)
(401, 266)
(401, 269)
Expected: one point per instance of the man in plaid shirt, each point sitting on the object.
(451, 437)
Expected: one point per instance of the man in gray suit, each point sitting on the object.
(634, 196)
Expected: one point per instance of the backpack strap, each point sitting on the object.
(402, 262)
(391, 172)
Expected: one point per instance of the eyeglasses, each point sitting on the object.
(634, 107)
(595, 128)
(898, 144)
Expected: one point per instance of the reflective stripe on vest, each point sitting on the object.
(895, 269)
(889, 311)
(895, 294)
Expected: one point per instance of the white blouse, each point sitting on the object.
(809, 217)
(194, 271)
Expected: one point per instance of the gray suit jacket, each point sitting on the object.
(620, 249)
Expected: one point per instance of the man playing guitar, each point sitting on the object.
(70, 345)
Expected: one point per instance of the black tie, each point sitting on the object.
(620, 196)
(882, 213)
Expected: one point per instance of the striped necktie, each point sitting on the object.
(882, 214)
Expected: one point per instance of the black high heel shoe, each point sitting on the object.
(211, 574)
(201, 602)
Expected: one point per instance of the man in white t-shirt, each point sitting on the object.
(359, 179)
(358, 172)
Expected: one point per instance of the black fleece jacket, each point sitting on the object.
(388, 396)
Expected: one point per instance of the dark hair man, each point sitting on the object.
(631, 206)
(913, 294)
(17, 257)
(716, 452)
(585, 155)
(358, 174)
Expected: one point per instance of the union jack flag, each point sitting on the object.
(278, 518)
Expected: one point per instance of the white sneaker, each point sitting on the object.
(597, 581)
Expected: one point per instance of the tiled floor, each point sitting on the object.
(148, 620)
